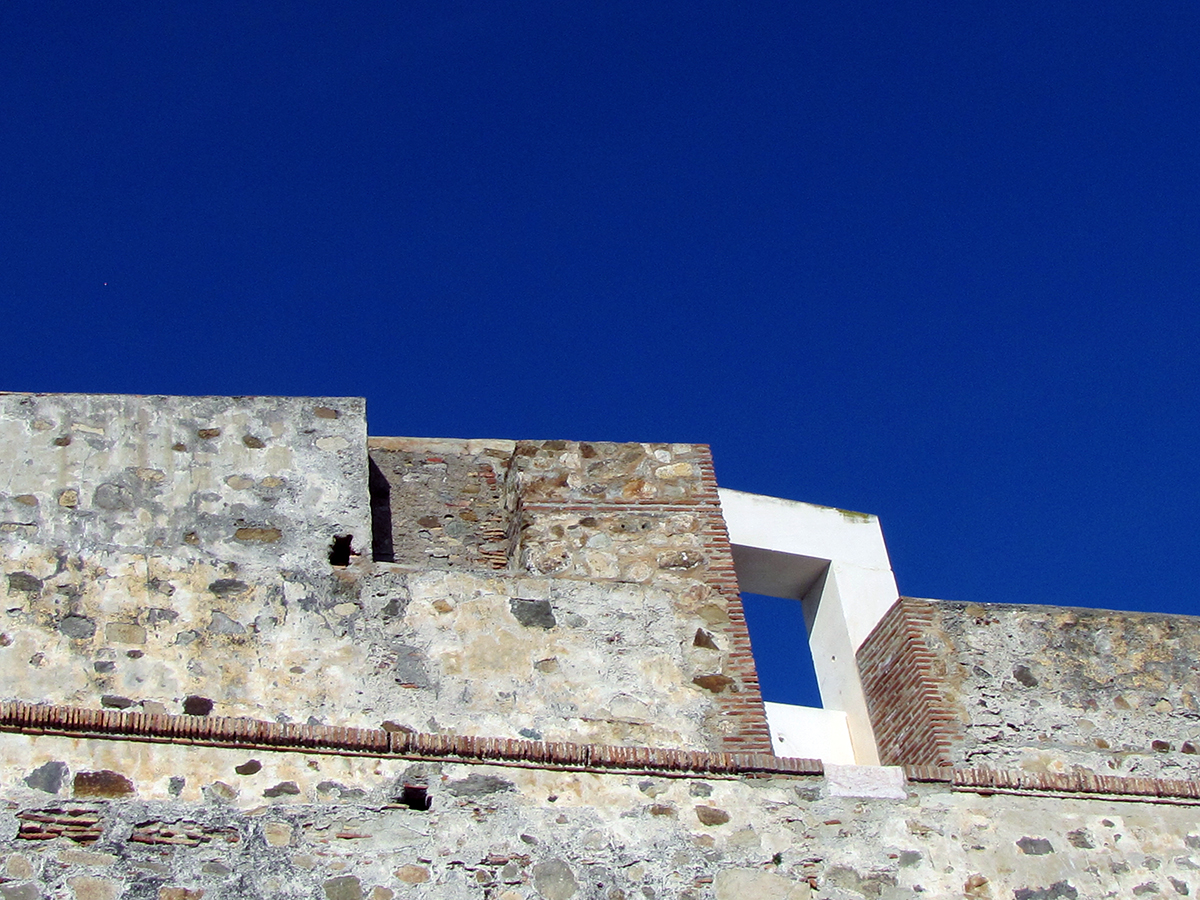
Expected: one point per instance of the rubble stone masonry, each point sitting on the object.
(246, 651)
(1035, 688)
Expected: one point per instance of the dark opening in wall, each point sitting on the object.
(197, 706)
(382, 549)
(415, 796)
(781, 652)
(339, 551)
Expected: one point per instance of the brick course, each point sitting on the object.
(912, 723)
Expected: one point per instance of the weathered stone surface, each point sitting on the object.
(18, 867)
(714, 682)
(225, 587)
(277, 834)
(533, 613)
(1035, 846)
(47, 777)
(77, 627)
(554, 880)
(1060, 890)
(412, 874)
(344, 887)
(87, 858)
(258, 534)
(1045, 689)
(223, 624)
(744, 884)
(711, 815)
(23, 581)
(89, 887)
(476, 784)
(609, 652)
(704, 639)
(852, 848)
(20, 892)
(220, 792)
(105, 783)
(883, 782)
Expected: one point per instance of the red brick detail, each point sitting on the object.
(912, 723)
(938, 774)
(254, 734)
(746, 707)
(82, 823)
(1075, 782)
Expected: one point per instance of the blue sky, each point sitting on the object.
(929, 260)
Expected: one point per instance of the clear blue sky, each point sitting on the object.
(936, 261)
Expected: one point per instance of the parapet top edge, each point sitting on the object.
(105, 395)
(799, 504)
(1089, 611)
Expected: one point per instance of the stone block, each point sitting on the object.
(867, 782)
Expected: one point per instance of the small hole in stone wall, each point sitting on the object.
(339, 550)
(416, 796)
(197, 706)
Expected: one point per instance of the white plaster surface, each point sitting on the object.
(852, 542)
(837, 564)
(804, 529)
(810, 733)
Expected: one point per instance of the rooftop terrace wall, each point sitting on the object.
(542, 642)
(1035, 688)
(172, 554)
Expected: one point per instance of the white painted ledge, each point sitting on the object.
(810, 733)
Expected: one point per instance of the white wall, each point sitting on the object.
(810, 733)
(833, 561)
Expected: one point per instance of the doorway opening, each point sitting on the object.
(779, 639)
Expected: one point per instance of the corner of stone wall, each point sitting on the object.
(625, 515)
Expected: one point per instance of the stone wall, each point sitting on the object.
(543, 647)
(109, 819)
(258, 483)
(448, 502)
(177, 555)
(454, 653)
(641, 524)
(1036, 688)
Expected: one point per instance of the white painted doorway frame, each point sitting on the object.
(836, 564)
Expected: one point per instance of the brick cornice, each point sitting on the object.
(242, 733)
(255, 734)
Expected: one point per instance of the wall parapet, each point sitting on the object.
(1022, 687)
(900, 680)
